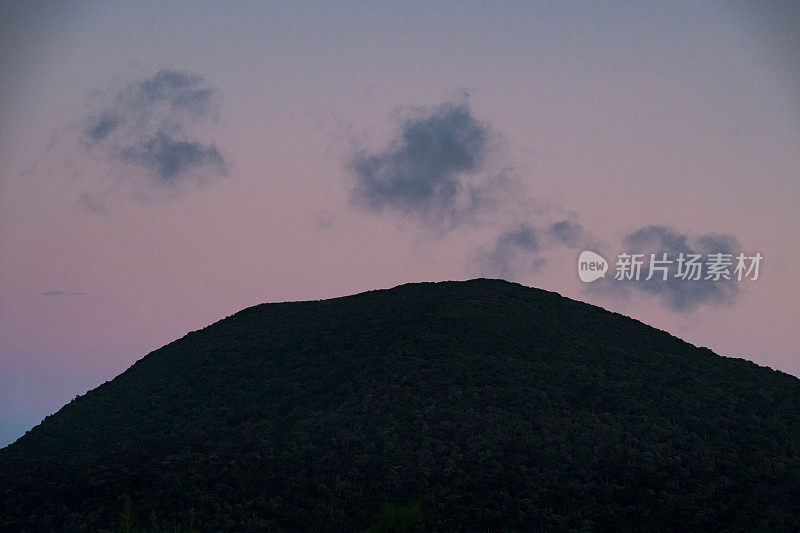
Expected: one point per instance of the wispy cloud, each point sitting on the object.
(568, 232)
(146, 132)
(59, 292)
(511, 251)
(522, 249)
(169, 159)
(675, 292)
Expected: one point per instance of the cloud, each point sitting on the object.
(59, 292)
(435, 172)
(674, 292)
(182, 91)
(170, 159)
(147, 133)
(502, 258)
(569, 233)
(520, 250)
(430, 172)
(102, 127)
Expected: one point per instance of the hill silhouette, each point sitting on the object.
(478, 405)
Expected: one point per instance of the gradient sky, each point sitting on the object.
(163, 166)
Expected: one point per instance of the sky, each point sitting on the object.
(164, 165)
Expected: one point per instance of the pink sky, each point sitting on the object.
(620, 116)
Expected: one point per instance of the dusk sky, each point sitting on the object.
(164, 165)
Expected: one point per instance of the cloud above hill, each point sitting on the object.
(669, 278)
(436, 171)
(431, 171)
(148, 133)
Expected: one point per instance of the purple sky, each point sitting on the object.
(165, 165)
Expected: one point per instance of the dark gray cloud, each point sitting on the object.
(675, 292)
(100, 128)
(435, 172)
(431, 171)
(169, 159)
(568, 232)
(511, 251)
(522, 249)
(181, 90)
(147, 131)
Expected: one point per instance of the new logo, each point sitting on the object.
(591, 266)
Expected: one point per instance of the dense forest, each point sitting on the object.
(480, 405)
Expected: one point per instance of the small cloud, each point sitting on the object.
(674, 292)
(59, 292)
(147, 133)
(568, 232)
(169, 159)
(102, 127)
(55, 292)
(180, 90)
(503, 257)
(519, 250)
(430, 171)
(93, 204)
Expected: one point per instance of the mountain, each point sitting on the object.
(478, 405)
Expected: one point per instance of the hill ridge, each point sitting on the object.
(491, 404)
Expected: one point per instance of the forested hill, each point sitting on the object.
(478, 405)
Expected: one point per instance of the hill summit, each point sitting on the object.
(477, 405)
